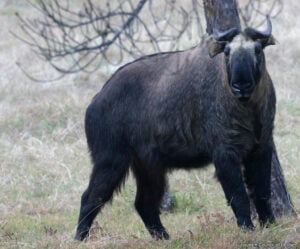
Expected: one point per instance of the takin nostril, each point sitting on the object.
(247, 87)
(238, 87)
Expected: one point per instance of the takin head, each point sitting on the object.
(244, 56)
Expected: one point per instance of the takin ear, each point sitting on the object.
(214, 47)
(267, 42)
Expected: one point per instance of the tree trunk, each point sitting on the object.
(223, 15)
(280, 198)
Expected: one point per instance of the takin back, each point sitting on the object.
(182, 110)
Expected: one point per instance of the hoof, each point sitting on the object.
(245, 224)
(80, 236)
(267, 222)
(159, 234)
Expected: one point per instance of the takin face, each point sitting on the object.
(244, 57)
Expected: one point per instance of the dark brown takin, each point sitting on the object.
(212, 103)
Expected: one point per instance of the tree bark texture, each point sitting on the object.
(280, 198)
(223, 15)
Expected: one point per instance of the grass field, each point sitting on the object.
(44, 164)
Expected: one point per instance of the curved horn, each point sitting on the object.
(256, 34)
(226, 35)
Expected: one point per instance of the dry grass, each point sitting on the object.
(44, 164)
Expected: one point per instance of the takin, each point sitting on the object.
(214, 103)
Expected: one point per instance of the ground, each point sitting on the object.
(45, 166)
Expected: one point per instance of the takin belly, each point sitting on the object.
(182, 149)
(185, 159)
(180, 155)
(173, 154)
(198, 155)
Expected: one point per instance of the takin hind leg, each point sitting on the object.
(108, 174)
(150, 189)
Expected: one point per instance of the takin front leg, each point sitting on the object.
(228, 170)
(150, 190)
(258, 180)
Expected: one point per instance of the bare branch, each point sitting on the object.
(73, 38)
(258, 9)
